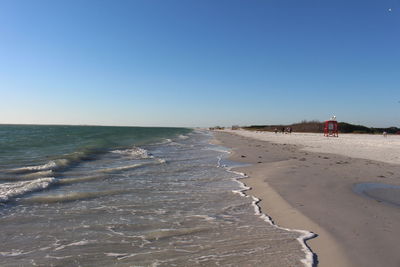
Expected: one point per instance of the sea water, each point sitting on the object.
(129, 196)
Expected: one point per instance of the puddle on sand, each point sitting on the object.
(386, 193)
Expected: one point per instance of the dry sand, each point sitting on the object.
(312, 191)
(366, 146)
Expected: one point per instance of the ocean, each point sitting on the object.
(130, 196)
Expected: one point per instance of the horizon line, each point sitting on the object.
(92, 125)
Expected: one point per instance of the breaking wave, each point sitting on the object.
(12, 190)
(135, 152)
(51, 165)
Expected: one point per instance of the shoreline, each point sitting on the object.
(339, 242)
(284, 216)
(310, 258)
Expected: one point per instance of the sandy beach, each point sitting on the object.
(306, 181)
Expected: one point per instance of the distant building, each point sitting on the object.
(216, 128)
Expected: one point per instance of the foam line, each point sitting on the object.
(308, 261)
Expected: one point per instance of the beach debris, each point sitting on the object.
(242, 156)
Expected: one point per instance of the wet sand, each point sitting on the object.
(314, 191)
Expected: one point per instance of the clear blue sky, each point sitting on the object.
(199, 62)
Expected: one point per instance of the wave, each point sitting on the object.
(68, 197)
(33, 176)
(51, 165)
(135, 152)
(12, 190)
(123, 168)
(39, 174)
(34, 171)
(56, 164)
(133, 166)
(80, 179)
(181, 136)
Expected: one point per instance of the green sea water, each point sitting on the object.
(23, 145)
(130, 196)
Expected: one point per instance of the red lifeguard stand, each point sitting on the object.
(331, 128)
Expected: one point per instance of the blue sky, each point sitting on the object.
(199, 63)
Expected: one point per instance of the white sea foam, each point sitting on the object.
(48, 166)
(304, 235)
(135, 152)
(79, 243)
(58, 258)
(10, 190)
(181, 136)
(132, 166)
(161, 161)
(218, 149)
(122, 168)
(13, 253)
(111, 254)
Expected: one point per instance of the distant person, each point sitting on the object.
(276, 130)
(290, 130)
(283, 130)
(384, 134)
